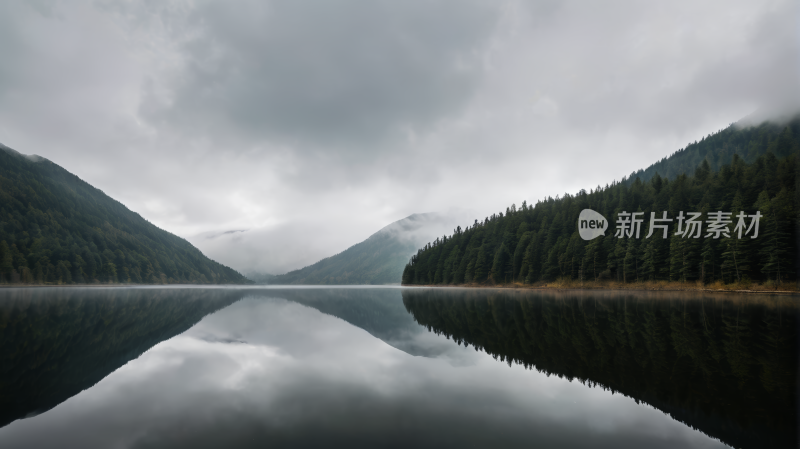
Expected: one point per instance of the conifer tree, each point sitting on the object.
(533, 254)
(631, 261)
(734, 252)
(654, 258)
(776, 263)
(450, 265)
(676, 253)
(6, 262)
(708, 261)
(592, 258)
(519, 254)
(481, 264)
(616, 258)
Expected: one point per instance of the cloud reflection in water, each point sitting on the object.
(266, 370)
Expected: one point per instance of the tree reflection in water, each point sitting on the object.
(57, 342)
(723, 364)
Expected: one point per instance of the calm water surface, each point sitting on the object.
(391, 367)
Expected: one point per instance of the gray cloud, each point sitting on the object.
(343, 74)
(314, 125)
(646, 67)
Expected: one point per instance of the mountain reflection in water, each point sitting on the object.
(296, 367)
(57, 342)
(378, 311)
(725, 366)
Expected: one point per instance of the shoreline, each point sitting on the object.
(114, 285)
(661, 286)
(643, 286)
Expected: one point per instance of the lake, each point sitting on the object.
(153, 367)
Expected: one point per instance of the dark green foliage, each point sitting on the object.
(725, 367)
(57, 229)
(541, 243)
(716, 150)
(775, 261)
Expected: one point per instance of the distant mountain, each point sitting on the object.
(260, 278)
(57, 229)
(380, 259)
(746, 139)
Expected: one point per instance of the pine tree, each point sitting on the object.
(481, 265)
(616, 258)
(501, 266)
(450, 265)
(776, 262)
(733, 264)
(676, 255)
(519, 254)
(631, 262)
(708, 261)
(533, 254)
(654, 258)
(734, 252)
(592, 258)
(6, 262)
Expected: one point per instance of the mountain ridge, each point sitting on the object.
(746, 138)
(56, 228)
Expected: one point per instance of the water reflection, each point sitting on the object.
(312, 367)
(722, 364)
(381, 313)
(57, 342)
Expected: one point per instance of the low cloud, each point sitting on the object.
(346, 75)
(282, 248)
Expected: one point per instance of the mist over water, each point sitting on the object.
(396, 367)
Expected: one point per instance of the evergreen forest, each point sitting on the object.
(718, 149)
(541, 242)
(57, 229)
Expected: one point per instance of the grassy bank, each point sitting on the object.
(570, 284)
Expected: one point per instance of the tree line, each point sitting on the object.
(541, 242)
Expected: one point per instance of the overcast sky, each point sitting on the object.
(307, 126)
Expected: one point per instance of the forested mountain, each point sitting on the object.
(57, 229)
(542, 242)
(723, 366)
(377, 260)
(748, 142)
